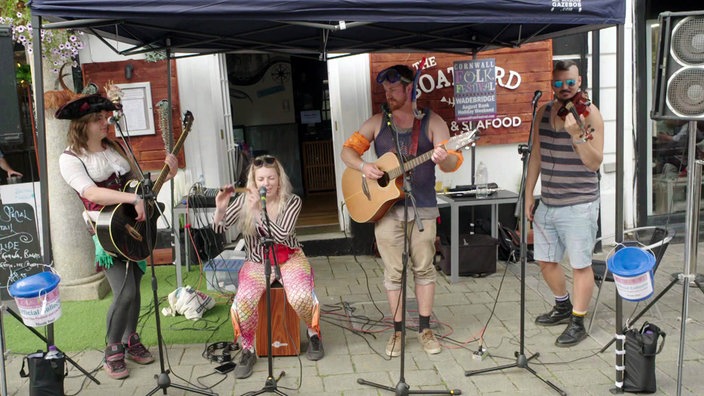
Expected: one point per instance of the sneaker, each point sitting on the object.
(114, 363)
(559, 314)
(136, 351)
(315, 348)
(573, 334)
(393, 347)
(245, 367)
(429, 342)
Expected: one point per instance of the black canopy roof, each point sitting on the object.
(316, 27)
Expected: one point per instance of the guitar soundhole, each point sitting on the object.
(384, 180)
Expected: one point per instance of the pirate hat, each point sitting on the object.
(85, 105)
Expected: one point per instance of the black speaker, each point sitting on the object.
(679, 74)
(10, 126)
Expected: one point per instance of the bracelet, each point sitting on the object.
(580, 140)
(137, 198)
(361, 166)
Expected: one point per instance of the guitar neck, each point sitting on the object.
(165, 170)
(410, 164)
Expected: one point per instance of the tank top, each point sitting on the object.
(565, 180)
(423, 175)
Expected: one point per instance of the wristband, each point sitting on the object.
(361, 167)
(580, 140)
(137, 198)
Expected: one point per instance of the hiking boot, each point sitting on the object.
(136, 351)
(573, 334)
(245, 367)
(393, 347)
(560, 313)
(114, 364)
(429, 342)
(315, 348)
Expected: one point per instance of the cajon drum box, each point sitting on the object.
(286, 334)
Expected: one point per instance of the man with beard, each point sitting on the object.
(417, 132)
(567, 154)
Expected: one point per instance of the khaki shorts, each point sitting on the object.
(389, 241)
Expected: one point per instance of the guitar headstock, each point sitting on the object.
(461, 141)
(187, 121)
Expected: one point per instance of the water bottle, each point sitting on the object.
(481, 179)
(53, 353)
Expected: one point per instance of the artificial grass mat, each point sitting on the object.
(82, 323)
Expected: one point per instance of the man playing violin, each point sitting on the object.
(568, 148)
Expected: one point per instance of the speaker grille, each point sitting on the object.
(687, 42)
(685, 92)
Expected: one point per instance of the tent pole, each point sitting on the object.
(620, 147)
(38, 80)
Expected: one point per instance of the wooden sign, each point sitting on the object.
(20, 252)
(519, 73)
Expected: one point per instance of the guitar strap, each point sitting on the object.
(414, 138)
(415, 135)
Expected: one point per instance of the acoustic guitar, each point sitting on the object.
(116, 227)
(368, 200)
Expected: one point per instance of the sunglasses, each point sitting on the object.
(570, 83)
(263, 159)
(391, 75)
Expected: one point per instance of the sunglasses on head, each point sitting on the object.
(391, 75)
(264, 159)
(559, 83)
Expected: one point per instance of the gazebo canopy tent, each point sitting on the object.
(328, 28)
(315, 27)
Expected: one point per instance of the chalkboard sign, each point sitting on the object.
(20, 252)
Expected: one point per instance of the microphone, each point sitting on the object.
(537, 96)
(262, 195)
(114, 118)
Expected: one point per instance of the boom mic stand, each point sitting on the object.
(267, 247)
(402, 388)
(521, 359)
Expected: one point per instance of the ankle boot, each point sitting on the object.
(573, 334)
(559, 314)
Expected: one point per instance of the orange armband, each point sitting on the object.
(460, 158)
(456, 153)
(358, 143)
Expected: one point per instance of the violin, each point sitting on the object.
(578, 105)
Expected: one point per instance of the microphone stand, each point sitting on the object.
(402, 388)
(521, 360)
(150, 205)
(267, 246)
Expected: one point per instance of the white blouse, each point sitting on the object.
(100, 166)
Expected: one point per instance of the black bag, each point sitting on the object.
(477, 254)
(641, 348)
(46, 376)
(510, 245)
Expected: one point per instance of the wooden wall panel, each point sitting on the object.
(150, 149)
(531, 62)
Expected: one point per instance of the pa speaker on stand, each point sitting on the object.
(679, 95)
(679, 74)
